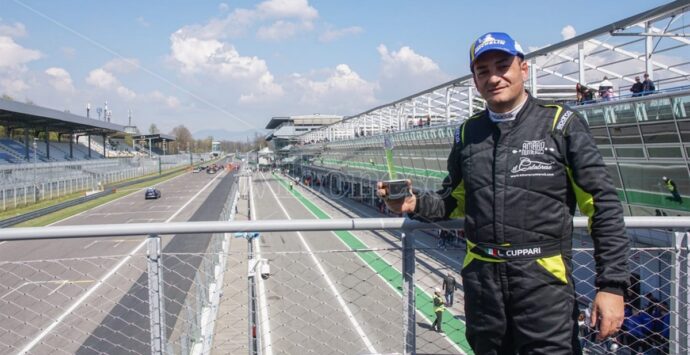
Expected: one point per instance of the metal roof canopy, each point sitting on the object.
(20, 115)
(155, 138)
(304, 120)
(654, 41)
(276, 121)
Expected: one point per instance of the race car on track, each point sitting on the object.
(152, 193)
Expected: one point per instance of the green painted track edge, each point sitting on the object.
(453, 327)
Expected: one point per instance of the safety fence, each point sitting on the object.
(26, 184)
(189, 293)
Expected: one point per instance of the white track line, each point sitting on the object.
(364, 213)
(112, 201)
(102, 280)
(423, 289)
(263, 303)
(343, 305)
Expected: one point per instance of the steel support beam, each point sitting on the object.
(156, 297)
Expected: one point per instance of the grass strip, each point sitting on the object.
(454, 328)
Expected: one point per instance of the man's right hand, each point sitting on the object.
(401, 205)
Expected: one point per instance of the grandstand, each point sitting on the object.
(642, 138)
(150, 144)
(25, 123)
(33, 167)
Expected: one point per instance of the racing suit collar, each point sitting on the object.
(507, 116)
(524, 107)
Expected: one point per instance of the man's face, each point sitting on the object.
(499, 78)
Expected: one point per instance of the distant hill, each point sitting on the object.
(222, 134)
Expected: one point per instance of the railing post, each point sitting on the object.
(685, 294)
(409, 299)
(680, 296)
(156, 299)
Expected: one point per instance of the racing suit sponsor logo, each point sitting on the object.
(527, 164)
(537, 147)
(533, 147)
(513, 253)
(457, 135)
(563, 120)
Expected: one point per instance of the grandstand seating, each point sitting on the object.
(7, 158)
(98, 149)
(156, 150)
(14, 156)
(16, 149)
(59, 151)
(12, 151)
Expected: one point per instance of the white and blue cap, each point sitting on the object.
(494, 41)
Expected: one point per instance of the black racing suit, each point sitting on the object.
(517, 183)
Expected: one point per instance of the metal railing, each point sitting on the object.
(175, 297)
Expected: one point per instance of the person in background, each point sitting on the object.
(673, 189)
(604, 87)
(449, 289)
(648, 85)
(441, 243)
(438, 311)
(580, 91)
(636, 88)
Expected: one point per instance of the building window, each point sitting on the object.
(601, 136)
(606, 152)
(659, 133)
(625, 135)
(664, 152)
(630, 152)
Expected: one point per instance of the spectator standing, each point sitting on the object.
(438, 310)
(449, 289)
(441, 244)
(610, 95)
(648, 85)
(428, 120)
(580, 92)
(420, 123)
(637, 88)
(604, 87)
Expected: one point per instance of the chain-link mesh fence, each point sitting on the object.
(653, 316)
(336, 301)
(327, 301)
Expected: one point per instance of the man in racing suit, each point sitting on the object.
(516, 173)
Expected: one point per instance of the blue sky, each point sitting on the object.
(232, 65)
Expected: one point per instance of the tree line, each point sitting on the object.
(184, 139)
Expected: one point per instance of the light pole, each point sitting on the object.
(190, 154)
(35, 145)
